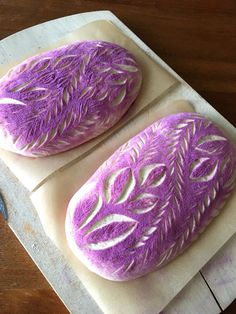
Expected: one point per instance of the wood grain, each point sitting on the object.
(196, 38)
(23, 289)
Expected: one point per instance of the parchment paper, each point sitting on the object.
(156, 81)
(148, 294)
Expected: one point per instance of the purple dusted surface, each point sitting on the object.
(152, 197)
(60, 99)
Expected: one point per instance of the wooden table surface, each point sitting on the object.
(196, 38)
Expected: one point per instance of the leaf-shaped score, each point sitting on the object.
(203, 170)
(119, 185)
(127, 67)
(110, 231)
(152, 175)
(143, 203)
(211, 144)
(85, 208)
(119, 97)
(40, 65)
(63, 62)
(35, 94)
(10, 101)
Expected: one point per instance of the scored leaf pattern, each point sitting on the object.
(125, 225)
(119, 185)
(143, 203)
(60, 99)
(163, 189)
(153, 175)
(203, 171)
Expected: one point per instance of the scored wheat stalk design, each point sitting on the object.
(67, 96)
(142, 200)
(189, 127)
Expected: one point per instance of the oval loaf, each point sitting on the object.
(60, 99)
(152, 197)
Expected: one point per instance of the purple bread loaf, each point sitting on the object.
(152, 197)
(57, 100)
